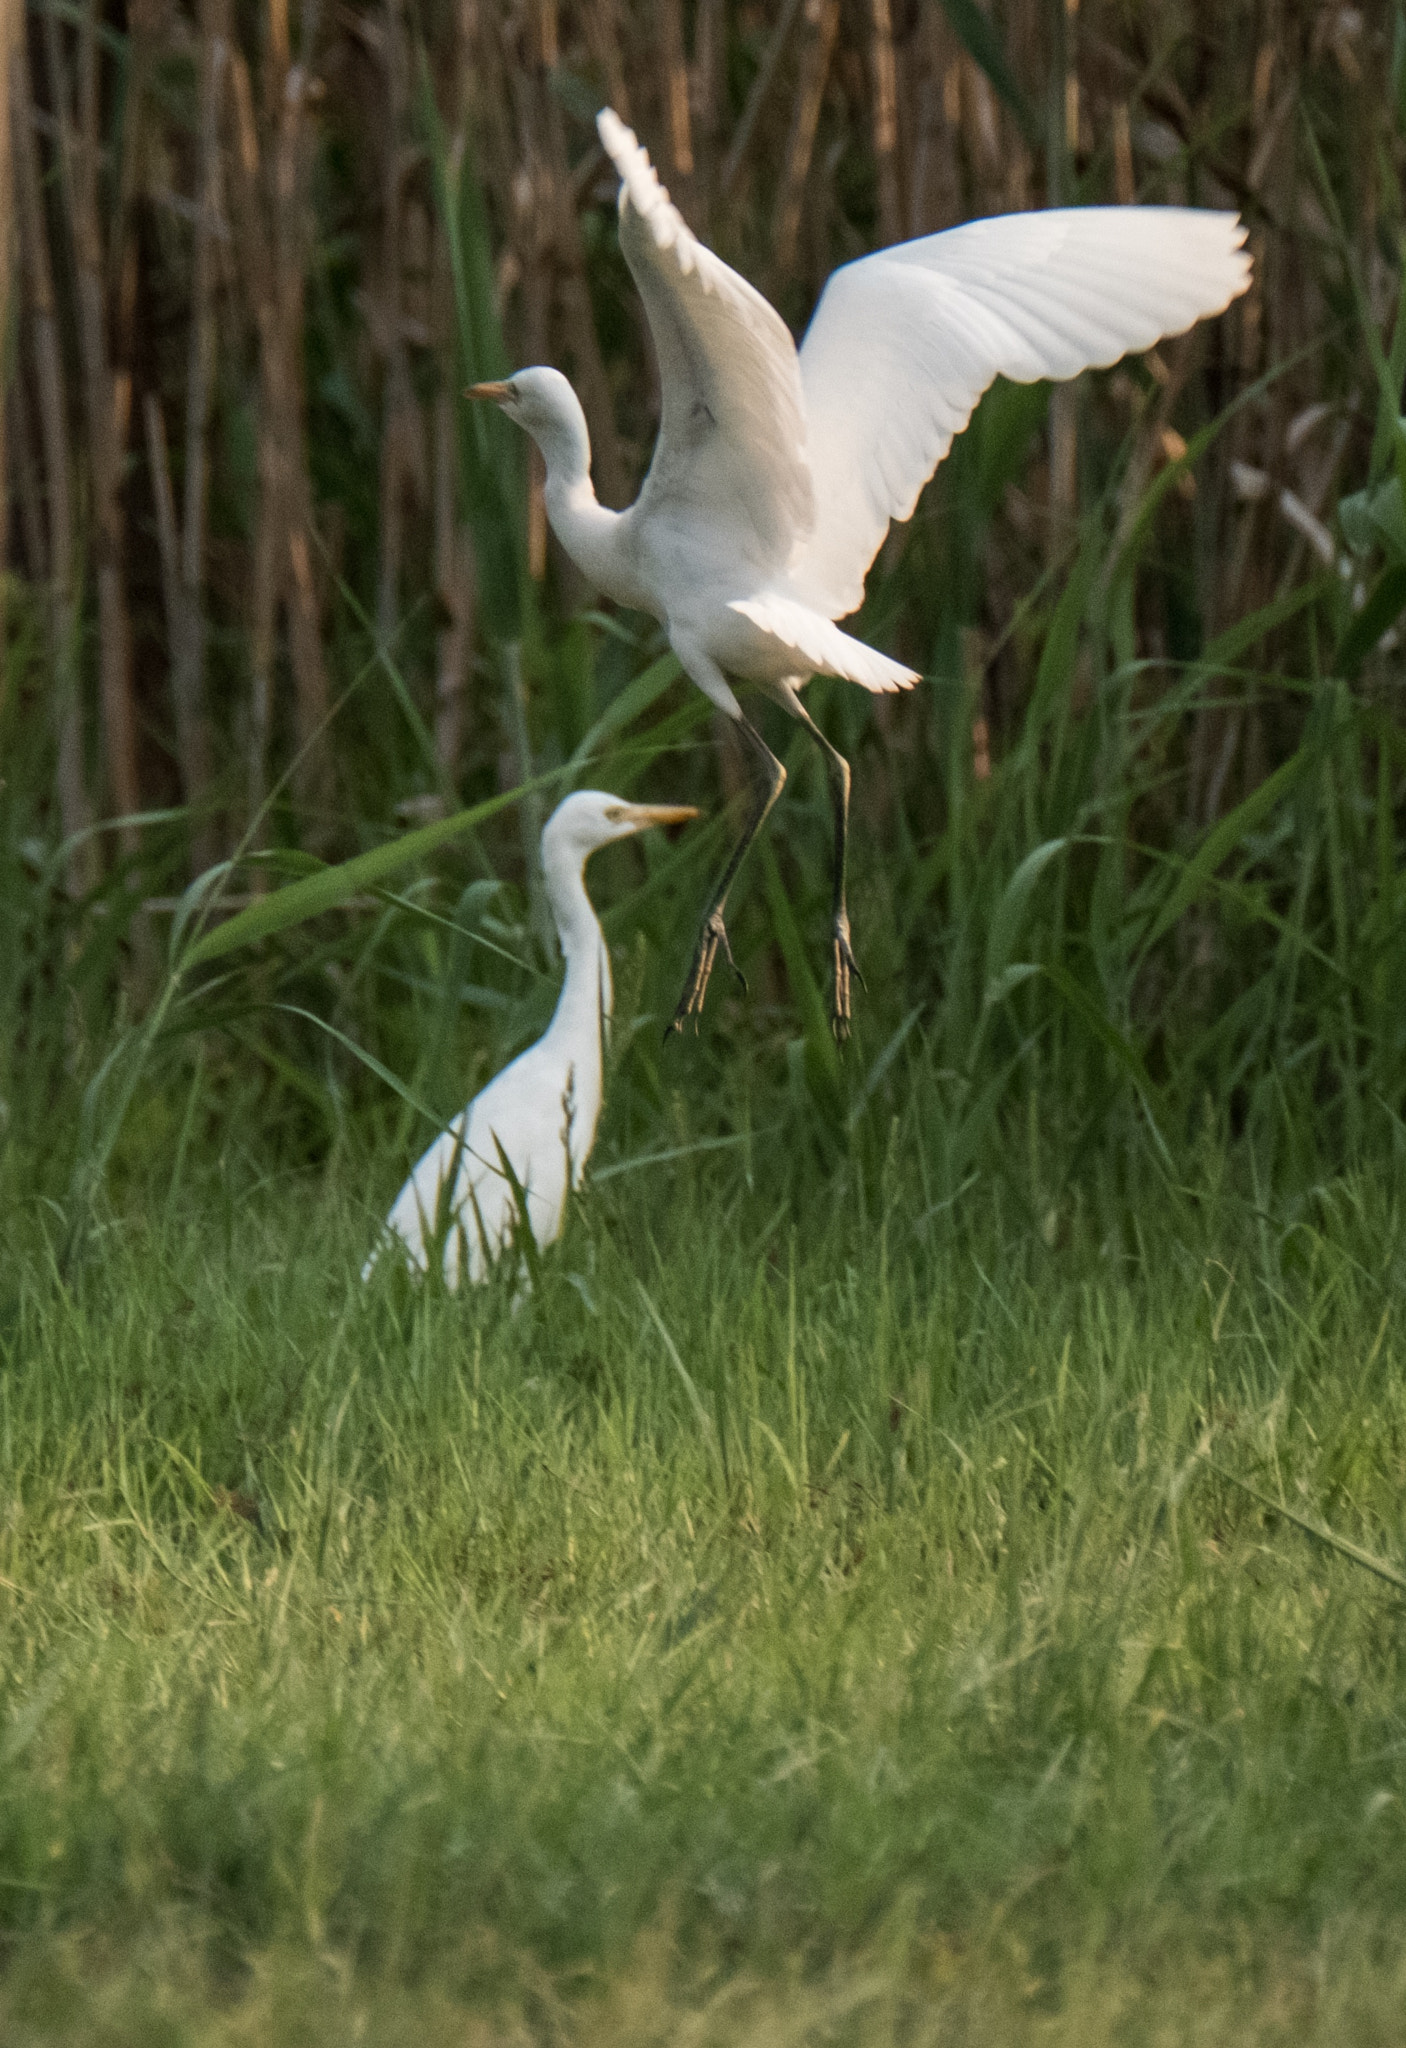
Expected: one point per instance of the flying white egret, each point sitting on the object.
(776, 472)
(535, 1123)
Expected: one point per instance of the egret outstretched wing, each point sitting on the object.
(903, 343)
(732, 435)
(775, 475)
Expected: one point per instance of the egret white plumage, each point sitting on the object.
(535, 1122)
(776, 472)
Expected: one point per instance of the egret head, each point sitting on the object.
(544, 405)
(589, 819)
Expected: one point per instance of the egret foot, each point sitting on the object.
(712, 936)
(845, 966)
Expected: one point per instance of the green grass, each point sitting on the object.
(926, 1565)
(863, 1639)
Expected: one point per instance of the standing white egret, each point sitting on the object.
(776, 473)
(538, 1117)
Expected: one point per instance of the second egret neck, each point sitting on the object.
(586, 993)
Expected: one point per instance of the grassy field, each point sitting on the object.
(925, 1564)
(910, 1631)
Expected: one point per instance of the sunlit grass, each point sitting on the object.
(877, 1613)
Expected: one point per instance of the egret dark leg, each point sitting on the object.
(768, 779)
(844, 962)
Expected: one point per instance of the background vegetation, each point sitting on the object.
(881, 1615)
(272, 592)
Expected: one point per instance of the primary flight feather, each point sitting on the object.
(776, 472)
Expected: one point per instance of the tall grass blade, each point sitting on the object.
(1220, 842)
(322, 892)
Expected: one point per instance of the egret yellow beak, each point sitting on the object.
(497, 392)
(641, 816)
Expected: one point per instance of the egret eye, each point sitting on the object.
(614, 813)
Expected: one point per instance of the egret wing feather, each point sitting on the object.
(904, 343)
(521, 1109)
(731, 451)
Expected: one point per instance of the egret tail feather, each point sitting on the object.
(823, 648)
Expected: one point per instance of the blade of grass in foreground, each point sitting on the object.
(1380, 1567)
(331, 886)
(367, 1059)
(631, 703)
(1222, 839)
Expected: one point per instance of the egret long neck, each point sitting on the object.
(585, 1001)
(588, 530)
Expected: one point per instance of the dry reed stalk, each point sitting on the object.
(188, 640)
(577, 324)
(294, 87)
(398, 397)
(1071, 80)
(9, 45)
(602, 31)
(257, 265)
(927, 99)
(536, 235)
(884, 119)
(532, 226)
(1124, 179)
(981, 135)
(934, 174)
(105, 401)
(168, 545)
(452, 540)
(1063, 128)
(1171, 366)
(108, 394)
(678, 125)
(706, 84)
(1064, 465)
(558, 319)
(757, 96)
(123, 264)
(24, 470)
(490, 103)
(268, 189)
(822, 25)
(61, 607)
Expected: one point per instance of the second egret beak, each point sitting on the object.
(641, 816)
(497, 392)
